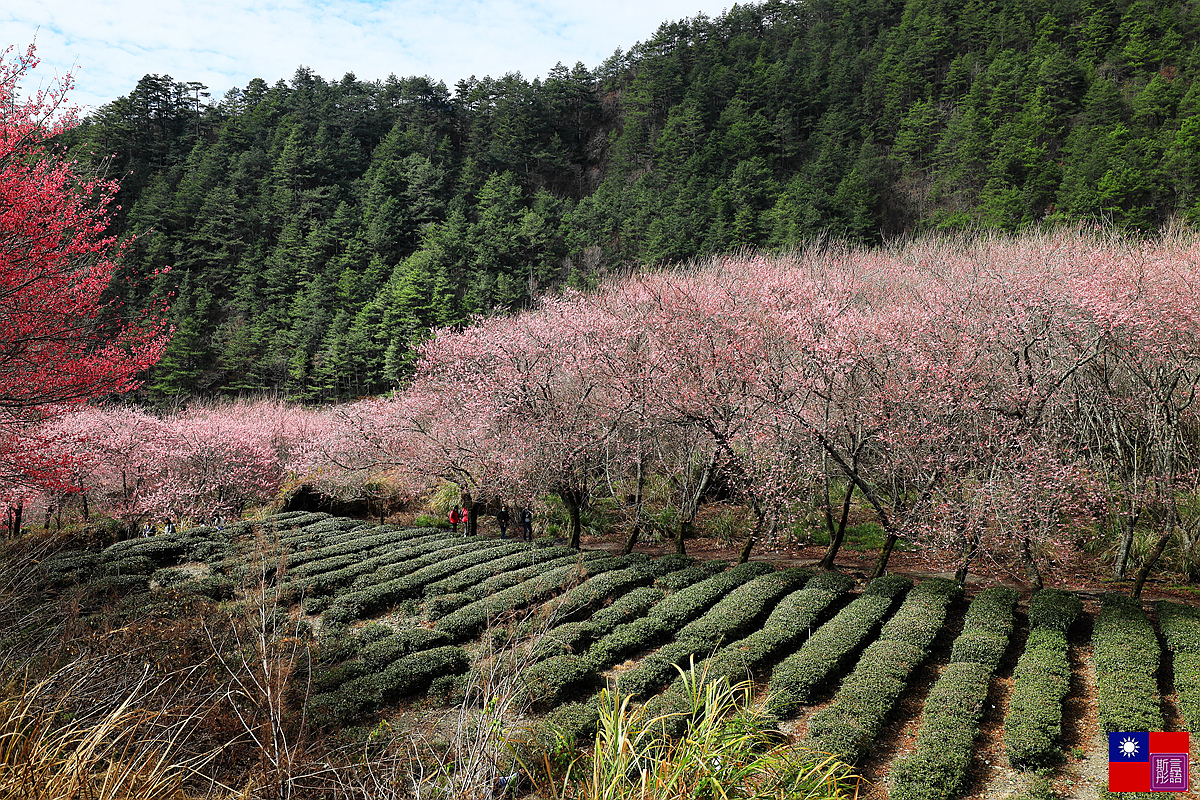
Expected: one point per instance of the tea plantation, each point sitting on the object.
(394, 613)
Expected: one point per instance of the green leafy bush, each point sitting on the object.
(848, 725)
(799, 675)
(549, 682)
(733, 615)
(1041, 681)
(1180, 627)
(1126, 653)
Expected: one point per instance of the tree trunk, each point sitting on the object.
(1125, 542)
(637, 511)
(960, 575)
(752, 539)
(836, 536)
(682, 532)
(885, 553)
(1031, 570)
(17, 511)
(1159, 546)
(86, 516)
(574, 527)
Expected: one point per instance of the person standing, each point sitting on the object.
(465, 516)
(502, 518)
(454, 517)
(527, 524)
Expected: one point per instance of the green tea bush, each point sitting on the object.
(674, 581)
(1041, 682)
(387, 649)
(473, 617)
(801, 674)
(130, 565)
(848, 725)
(628, 606)
(937, 768)
(509, 579)
(938, 765)
(526, 556)
(1126, 653)
(1180, 626)
(733, 615)
(547, 683)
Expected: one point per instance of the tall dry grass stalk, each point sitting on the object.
(466, 754)
(60, 740)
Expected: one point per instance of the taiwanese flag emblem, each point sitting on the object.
(1147, 762)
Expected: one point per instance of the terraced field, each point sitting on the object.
(932, 694)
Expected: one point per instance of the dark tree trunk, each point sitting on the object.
(960, 575)
(885, 553)
(681, 533)
(637, 511)
(17, 511)
(836, 534)
(752, 539)
(1126, 542)
(1031, 569)
(86, 515)
(574, 526)
(1144, 572)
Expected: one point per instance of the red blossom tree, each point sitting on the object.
(61, 342)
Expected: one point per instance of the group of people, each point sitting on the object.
(150, 529)
(503, 517)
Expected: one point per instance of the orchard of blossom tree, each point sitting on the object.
(1013, 397)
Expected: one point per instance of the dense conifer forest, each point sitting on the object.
(316, 229)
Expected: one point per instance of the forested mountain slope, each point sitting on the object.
(316, 229)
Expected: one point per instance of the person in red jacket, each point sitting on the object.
(455, 516)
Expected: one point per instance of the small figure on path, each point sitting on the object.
(466, 518)
(169, 527)
(502, 518)
(454, 517)
(147, 530)
(527, 524)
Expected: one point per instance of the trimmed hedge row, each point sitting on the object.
(1180, 626)
(355, 545)
(365, 563)
(1041, 681)
(473, 617)
(937, 767)
(468, 578)
(574, 637)
(588, 596)
(790, 622)
(547, 682)
(507, 580)
(798, 676)
(671, 614)
(848, 725)
(416, 573)
(363, 694)
(1126, 652)
(730, 617)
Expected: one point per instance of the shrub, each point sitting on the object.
(798, 676)
(525, 557)
(729, 618)
(471, 618)
(1126, 653)
(1180, 627)
(848, 725)
(131, 565)
(674, 581)
(385, 650)
(549, 682)
(938, 765)
(1041, 681)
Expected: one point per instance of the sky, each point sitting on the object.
(225, 43)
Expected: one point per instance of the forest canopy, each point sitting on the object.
(317, 229)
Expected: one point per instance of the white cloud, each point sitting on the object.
(224, 44)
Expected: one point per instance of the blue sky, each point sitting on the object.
(225, 43)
